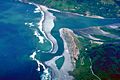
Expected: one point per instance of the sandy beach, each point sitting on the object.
(95, 16)
(67, 66)
(47, 25)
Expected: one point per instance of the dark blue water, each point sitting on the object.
(17, 41)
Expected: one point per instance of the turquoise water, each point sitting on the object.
(18, 42)
(72, 22)
(60, 61)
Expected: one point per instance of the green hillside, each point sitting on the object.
(104, 8)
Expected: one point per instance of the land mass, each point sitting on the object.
(97, 47)
(104, 8)
(90, 49)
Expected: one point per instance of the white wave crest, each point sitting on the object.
(29, 24)
(41, 39)
(46, 75)
(37, 10)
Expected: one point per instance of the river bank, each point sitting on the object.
(68, 64)
(47, 25)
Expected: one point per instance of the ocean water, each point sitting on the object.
(18, 22)
(65, 20)
(17, 41)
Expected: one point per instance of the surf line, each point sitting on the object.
(46, 75)
(35, 52)
(40, 24)
(45, 26)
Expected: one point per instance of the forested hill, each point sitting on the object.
(104, 8)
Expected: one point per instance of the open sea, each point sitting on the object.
(18, 22)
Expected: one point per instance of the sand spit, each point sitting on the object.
(62, 74)
(46, 75)
(47, 24)
(95, 16)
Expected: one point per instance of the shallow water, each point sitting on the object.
(64, 20)
(18, 42)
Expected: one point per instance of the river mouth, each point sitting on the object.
(24, 40)
(72, 22)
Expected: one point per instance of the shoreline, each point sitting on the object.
(46, 74)
(47, 18)
(56, 10)
(73, 13)
(93, 16)
(47, 25)
(68, 37)
(63, 72)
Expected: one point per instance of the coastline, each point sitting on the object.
(46, 75)
(47, 25)
(63, 72)
(89, 16)
(92, 16)
(95, 16)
